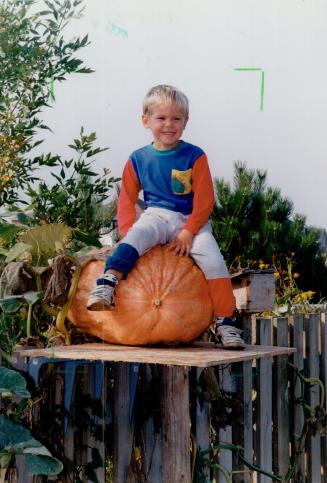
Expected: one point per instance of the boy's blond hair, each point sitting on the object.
(162, 93)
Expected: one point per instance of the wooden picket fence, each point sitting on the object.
(271, 392)
(105, 418)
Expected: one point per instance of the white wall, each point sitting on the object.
(196, 46)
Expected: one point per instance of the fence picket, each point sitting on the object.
(202, 426)
(314, 446)
(324, 380)
(175, 425)
(152, 440)
(124, 437)
(264, 401)
(247, 400)
(282, 401)
(225, 434)
(298, 361)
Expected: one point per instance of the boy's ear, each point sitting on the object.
(145, 120)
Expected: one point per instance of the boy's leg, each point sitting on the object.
(149, 230)
(206, 254)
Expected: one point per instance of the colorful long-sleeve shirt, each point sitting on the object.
(177, 179)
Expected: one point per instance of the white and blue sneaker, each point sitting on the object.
(102, 296)
(228, 336)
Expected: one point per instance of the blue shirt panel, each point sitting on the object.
(154, 171)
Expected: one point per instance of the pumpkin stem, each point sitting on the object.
(157, 302)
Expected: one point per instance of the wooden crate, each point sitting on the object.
(254, 290)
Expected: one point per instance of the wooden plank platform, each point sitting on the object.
(198, 354)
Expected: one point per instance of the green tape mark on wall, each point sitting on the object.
(262, 88)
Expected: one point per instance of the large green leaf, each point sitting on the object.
(8, 232)
(5, 461)
(17, 250)
(30, 297)
(23, 218)
(13, 381)
(47, 239)
(87, 238)
(16, 439)
(43, 465)
(10, 305)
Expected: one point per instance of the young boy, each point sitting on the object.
(178, 196)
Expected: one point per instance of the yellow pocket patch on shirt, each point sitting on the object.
(181, 181)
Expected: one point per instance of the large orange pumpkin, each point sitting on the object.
(164, 299)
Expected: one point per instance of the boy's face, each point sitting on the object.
(167, 122)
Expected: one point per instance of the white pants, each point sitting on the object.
(159, 226)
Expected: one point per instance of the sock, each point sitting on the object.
(108, 279)
(223, 321)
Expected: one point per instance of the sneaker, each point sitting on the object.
(102, 296)
(229, 337)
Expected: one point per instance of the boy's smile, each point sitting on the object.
(167, 122)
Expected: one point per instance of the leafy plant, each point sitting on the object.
(30, 298)
(254, 224)
(290, 299)
(36, 244)
(314, 418)
(22, 307)
(209, 459)
(76, 198)
(34, 54)
(14, 438)
(12, 328)
(46, 240)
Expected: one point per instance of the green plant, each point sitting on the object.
(315, 418)
(34, 54)
(30, 298)
(209, 459)
(254, 225)
(37, 244)
(14, 438)
(12, 328)
(76, 198)
(21, 303)
(290, 299)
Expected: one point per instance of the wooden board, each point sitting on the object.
(199, 354)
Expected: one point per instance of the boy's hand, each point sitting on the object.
(182, 243)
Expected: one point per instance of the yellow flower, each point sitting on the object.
(304, 296)
(263, 265)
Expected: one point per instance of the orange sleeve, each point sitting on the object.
(204, 197)
(130, 189)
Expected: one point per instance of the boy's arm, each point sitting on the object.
(130, 189)
(204, 198)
